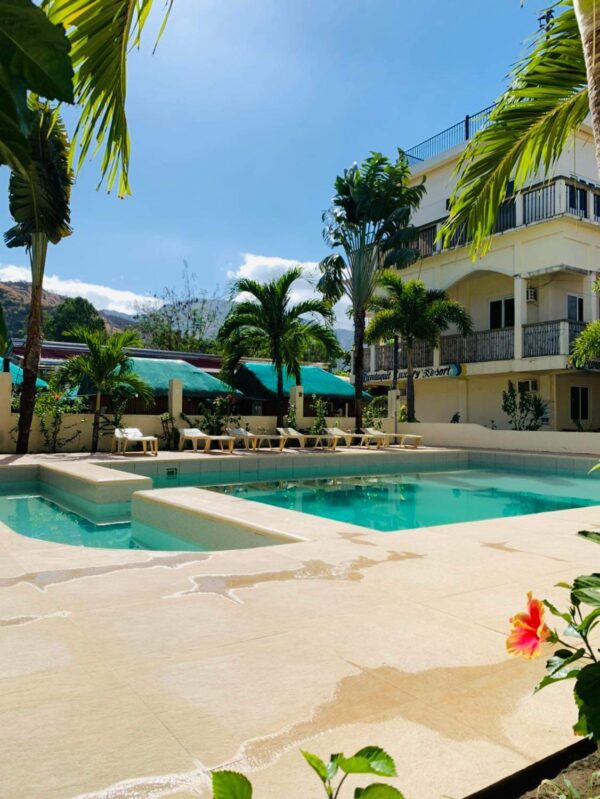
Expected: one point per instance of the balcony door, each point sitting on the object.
(502, 313)
(575, 308)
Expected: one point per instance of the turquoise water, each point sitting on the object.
(36, 516)
(395, 502)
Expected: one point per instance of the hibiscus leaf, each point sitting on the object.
(556, 612)
(370, 760)
(230, 785)
(562, 658)
(591, 535)
(378, 790)
(589, 622)
(587, 589)
(587, 691)
(316, 764)
(559, 676)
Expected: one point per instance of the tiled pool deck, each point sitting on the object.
(128, 673)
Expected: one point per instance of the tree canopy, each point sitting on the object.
(72, 312)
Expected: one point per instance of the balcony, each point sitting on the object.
(487, 345)
(539, 340)
(451, 137)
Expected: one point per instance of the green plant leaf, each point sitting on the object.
(370, 760)
(591, 535)
(587, 589)
(378, 790)
(588, 622)
(333, 765)
(556, 612)
(587, 697)
(35, 51)
(316, 764)
(230, 785)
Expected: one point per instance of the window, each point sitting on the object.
(597, 207)
(502, 313)
(580, 403)
(527, 386)
(574, 308)
(577, 200)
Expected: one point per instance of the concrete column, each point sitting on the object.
(560, 198)
(563, 339)
(297, 399)
(590, 298)
(176, 399)
(372, 358)
(6, 445)
(436, 358)
(518, 209)
(520, 291)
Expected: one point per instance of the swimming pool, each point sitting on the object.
(426, 499)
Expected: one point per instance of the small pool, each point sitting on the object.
(406, 501)
(32, 514)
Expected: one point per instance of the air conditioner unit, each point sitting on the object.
(531, 295)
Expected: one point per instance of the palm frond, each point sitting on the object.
(586, 346)
(102, 32)
(528, 130)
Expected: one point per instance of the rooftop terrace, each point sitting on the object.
(453, 136)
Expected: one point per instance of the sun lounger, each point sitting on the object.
(383, 437)
(255, 440)
(364, 439)
(412, 441)
(127, 435)
(193, 435)
(290, 434)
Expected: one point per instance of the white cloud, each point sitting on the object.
(102, 297)
(267, 267)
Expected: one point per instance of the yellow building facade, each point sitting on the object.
(528, 297)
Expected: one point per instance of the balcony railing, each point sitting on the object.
(541, 338)
(451, 137)
(384, 356)
(487, 345)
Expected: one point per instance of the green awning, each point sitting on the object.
(16, 374)
(258, 381)
(196, 382)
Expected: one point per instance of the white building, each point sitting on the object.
(529, 297)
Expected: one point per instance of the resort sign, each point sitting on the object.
(450, 370)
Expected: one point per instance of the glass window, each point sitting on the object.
(502, 313)
(574, 308)
(580, 403)
(509, 312)
(577, 200)
(495, 314)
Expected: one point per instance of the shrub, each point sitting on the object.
(319, 426)
(51, 405)
(525, 409)
(375, 411)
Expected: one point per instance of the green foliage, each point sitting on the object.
(170, 434)
(51, 405)
(291, 419)
(369, 227)
(230, 785)
(586, 346)
(319, 426)
(564, 789)
(525, 409)
(216, 415)
(101, 35)
(375, 411)
(34, 57)
(5, 338)
(267, 324)
(528, 129)
(370, 760)
(106, 368)
(71, 313)
(412, 312)
(179, 318)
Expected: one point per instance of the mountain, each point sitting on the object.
(14, 298)
(345, 337)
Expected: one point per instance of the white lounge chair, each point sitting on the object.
(412, 441)
(383, 437)
(364, 439)
(255, 440)
(193, 435)
(128, 435)
(290, 434)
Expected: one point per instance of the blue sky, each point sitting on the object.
(247, 111)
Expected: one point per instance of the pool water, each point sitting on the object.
(406, 501)
(37, 516)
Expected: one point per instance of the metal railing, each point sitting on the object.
(384, 356)
(486, 345)
(539, 204)
(541, 338)
(451, 137)
(507, 216)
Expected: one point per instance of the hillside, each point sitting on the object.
(14, 298)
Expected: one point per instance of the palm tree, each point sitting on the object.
(412, 312)
(106, 367)
(553, 89)
(267, 324)
(5, 342)
(39, 204)
(369, 220)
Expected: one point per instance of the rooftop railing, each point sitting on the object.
(451, 137)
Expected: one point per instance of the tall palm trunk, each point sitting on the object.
(359, 366)
(280, 397)
(33, 343)
(588, 20)
(96, 422)
(410, 384)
